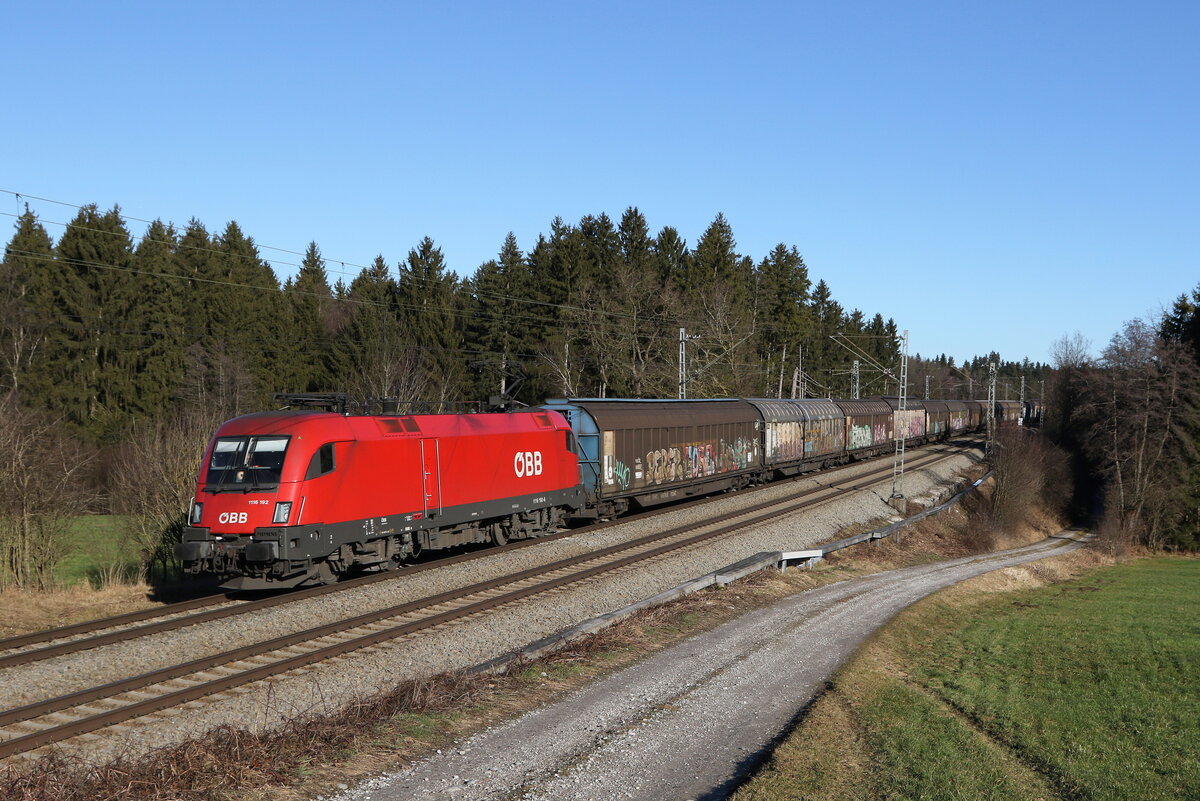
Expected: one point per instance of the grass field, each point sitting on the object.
(94, 546)
(1087, 689)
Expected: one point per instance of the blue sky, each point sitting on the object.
(991, 175)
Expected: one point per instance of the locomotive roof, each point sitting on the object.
(285, 422)
(332, 425)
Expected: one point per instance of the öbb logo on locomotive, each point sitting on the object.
(309, 494)
(527, 463)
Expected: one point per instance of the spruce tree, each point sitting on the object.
(195, 262)
(369, 299)
(671, 257)
(427, 295)
(1182, 322)
(718, 297)
(378, 356)
(601, 249)
(892, 342)
(248, 315)
(822, 357)
(99, 288)
(556, 265)
(310, 303)
(783, 288)
(716, 265)
(637, 248)
(27, 319)
(499, 319)
(877, 343)
(157, 323)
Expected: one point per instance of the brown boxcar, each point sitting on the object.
(911, 420)
(937, 419)
(869, 425)
(958, 415)
(975, 416)
(1009, 412)
(653, 451)
(800, 434)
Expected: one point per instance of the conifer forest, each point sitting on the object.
(121, 350)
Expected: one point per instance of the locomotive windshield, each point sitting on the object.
(246, 464)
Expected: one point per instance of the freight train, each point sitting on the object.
(303, 496)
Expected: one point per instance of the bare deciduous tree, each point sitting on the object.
(1029, 471)
(153, 478)
(43, 488)
(627, 331)
(390, 367)
(724, 347)
(555, 354)
(1143, 400)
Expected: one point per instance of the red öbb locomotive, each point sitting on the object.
(293, 497)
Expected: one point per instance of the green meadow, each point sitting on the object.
(95, 549)
(1085, 689)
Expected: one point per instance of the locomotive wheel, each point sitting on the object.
(324, 573)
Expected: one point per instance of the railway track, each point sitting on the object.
(36, 646)
(39, 724)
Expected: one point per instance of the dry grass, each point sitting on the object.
(24, 611)
(313, 755)
(829, 749)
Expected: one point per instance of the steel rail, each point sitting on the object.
(236, 608)
(139, 709)
(25, 713)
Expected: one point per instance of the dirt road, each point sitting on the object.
(689, 722)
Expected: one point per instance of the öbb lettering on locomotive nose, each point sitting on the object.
(528, 463)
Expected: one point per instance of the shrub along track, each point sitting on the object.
(45, 722)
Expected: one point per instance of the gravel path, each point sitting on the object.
(328, 686)
(691, 721)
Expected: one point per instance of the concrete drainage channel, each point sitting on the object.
(718, 578)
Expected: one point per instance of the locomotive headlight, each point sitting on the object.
(283, 510)
(194, 517)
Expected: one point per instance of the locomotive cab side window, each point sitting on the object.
(322, 462)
